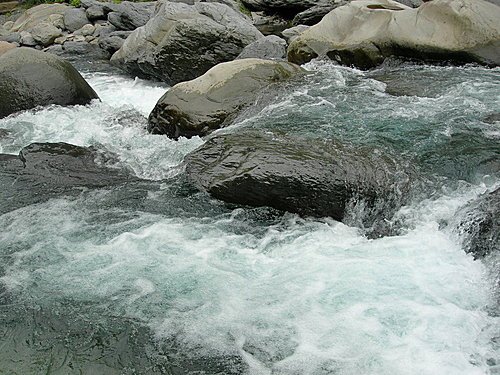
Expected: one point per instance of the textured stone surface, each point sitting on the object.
(213, 100)
(364, 32)
(181, 42)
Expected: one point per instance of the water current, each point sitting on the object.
(182, 283)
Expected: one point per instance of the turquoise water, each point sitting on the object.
(170, 281)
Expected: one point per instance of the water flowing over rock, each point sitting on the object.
(45, 170)
(479, 224)
(364, 33)
(309, 177)
(211, 101)
(182, 42)
(30, 78)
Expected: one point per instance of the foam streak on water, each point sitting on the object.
(288, 295)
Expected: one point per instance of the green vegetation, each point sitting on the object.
(244, 9)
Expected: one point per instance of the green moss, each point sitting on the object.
(244, 9)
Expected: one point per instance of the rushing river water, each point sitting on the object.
(97, 284)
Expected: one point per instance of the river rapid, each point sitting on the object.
(170, 281)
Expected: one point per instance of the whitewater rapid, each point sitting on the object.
(286, 294)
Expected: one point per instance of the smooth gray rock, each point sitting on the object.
(269, 24)
(13, 37)
(213, 100)
(45, 33)
(364, 32)
(29, 78)
(291, 33)
(96, 12)
(130, 16)
(271, 47)
(38, 14)
(113, 41)
(319, 178)
(74, 19)
(182, 42)
(79, 50)
(315, 14)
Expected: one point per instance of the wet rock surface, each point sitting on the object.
(45, 170)
(213, 100)
(29, 78)
(479, 226)
(309, 177)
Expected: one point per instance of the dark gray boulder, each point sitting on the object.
(113, 41)
(75, 51)
(479, 226)
(74, 19)
(96, 12)
(30, 78)
(213, 100)
(182, 42)
(271, 47)
(309, 177)
(128, 15)
(45, 170)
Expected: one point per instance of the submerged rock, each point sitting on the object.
(479, 224)
(30, 78)
(212, 101)
(45, 170)
(363, 33)
(309, 177)
(182, 42)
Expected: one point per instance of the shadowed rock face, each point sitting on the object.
(181, 42)
(30, 78)
(213, 100)
(363, 33)
(309, 177)
(479, 224)
(45, 170)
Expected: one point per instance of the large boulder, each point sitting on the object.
(74, 19)
(182, 42)
(363, 33)
(45, 170)
(128, 15)
(213, 100)
(40, 13)
(310, 177)
(479, 226)
(45, 33)
(30, 78)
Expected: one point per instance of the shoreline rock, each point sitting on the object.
(363, 33)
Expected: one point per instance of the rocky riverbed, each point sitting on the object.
(255, 187)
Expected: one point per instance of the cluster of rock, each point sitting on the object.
(97, 27)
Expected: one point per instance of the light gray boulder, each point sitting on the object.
(213, 100)
(45, 33)
(271, 47)
(182, 42)
(40, 13)
(291, 33)
(74, 19)
(128, 15)
(363, 33)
